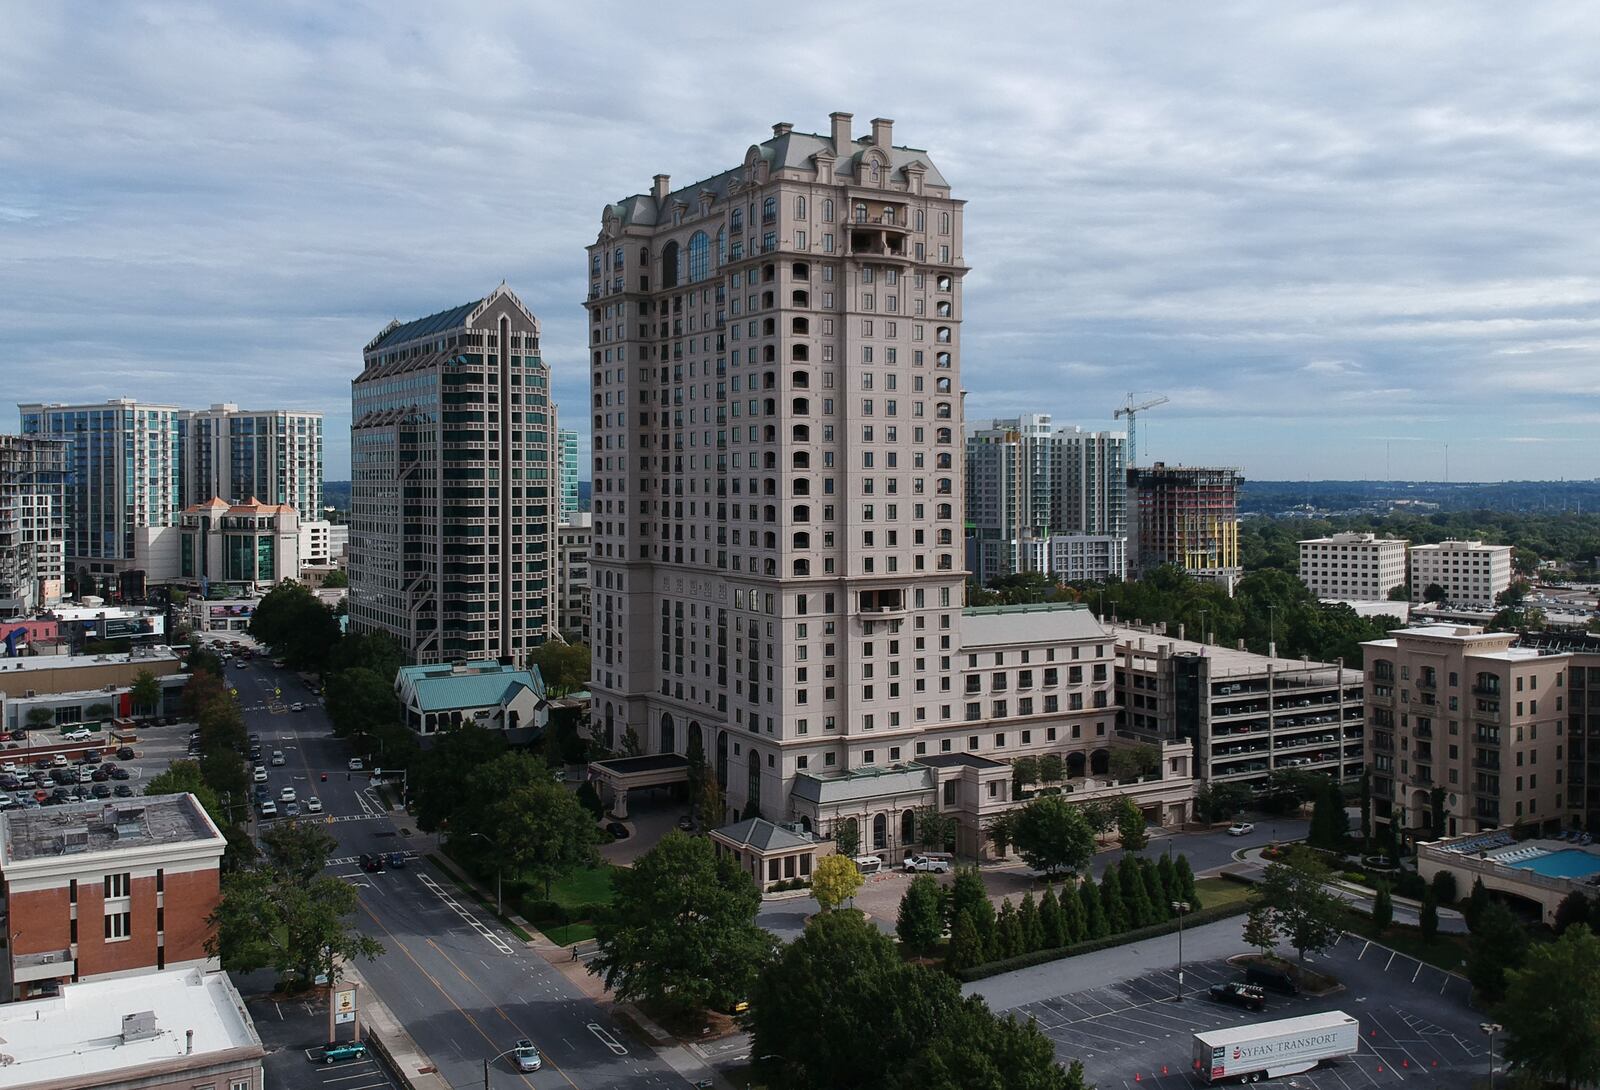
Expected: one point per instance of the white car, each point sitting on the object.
(286, 795)
(313, 805)
(79, 735)
(260, 775)
(277, 757)
(9, 766)
(355, 764)
(1241, 828)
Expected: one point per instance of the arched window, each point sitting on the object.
(699, 256)
(943, 335)
(861, 212)
(880, 832)
(942, 310)
(722, 245)
(801, 433)
(669, 737)
(802, 567)
(942, 410)
(801, 459)
(941, 359)
(801, 406)
(827, 211)
(944, 510)
(669, 265)
(908, 829)
(943, 461)
(802, 540)
(801, 270)
(736, 219)
(802, 487)
(800, 380)
(800, 325)
(769, 210)
(769, 540)
(944, 537)
(800, 208)
(802, 299)
(753, 785)
(942, 435)
(799, 353)
(942, 385)
(801, 513)
(943, 282)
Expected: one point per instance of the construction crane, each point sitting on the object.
(1131, 410)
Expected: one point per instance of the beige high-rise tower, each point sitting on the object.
(777, 566)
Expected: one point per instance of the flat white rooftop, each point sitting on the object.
(1229, 661)
(78, 1035)
(153, 653)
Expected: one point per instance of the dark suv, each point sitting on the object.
(1247, 996)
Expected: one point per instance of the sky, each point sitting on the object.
(1345, 240)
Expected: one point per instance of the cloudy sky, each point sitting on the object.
(1339, 237)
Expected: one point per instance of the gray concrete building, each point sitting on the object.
(454, 489)
(270, 455)
(32, 524)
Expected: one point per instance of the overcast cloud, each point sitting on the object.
(1338, 237)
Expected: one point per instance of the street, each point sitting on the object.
(464, 987)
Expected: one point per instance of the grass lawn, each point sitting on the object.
(591, 886)
(567, 934)
(1219, 891)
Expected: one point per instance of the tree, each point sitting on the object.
(98, 712)
(1141, 913)
(1444, 887)
(847, 836)
(1100, 814)
(1131, 826)
(1382, 908)
(436, 779)
(1219, 802)
(711, 803)
(1258, 930)
(1433, 592)
(291, 619)
(145, 693)
(682, 930)
(291, 921)
(1155, 892)
(1009, 940)
(527, 820)
(969, 895)
(1032, 928)
(966, 945)
(839, 1007)
(1184, 874)
(1551, 1007)
(1498, 945)
(1574, 908)
(1052, 768)
(1094, 916)
(563, 666)
(1167, 875)
(975, 1050)
(1477, 901)
(834, 881)
(39, 718)
(297, 849)
(1329, 823)
(335, 580)
(1025, 770)
(1052, 836)
(1302, 910)
(1428, 920)
(1134, 762)
(183, 777)
(935, 831)
(1053, 920)
(920, 923)
(1116, 912)
(1074, 926)
(1366, 807)
(1436, 799)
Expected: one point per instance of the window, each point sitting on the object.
(119, 925)
(699, 256)
(117, 885)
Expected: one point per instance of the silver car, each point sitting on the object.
(527, 1056)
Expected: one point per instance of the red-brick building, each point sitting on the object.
(105, 889)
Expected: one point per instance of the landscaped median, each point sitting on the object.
(1220, 911)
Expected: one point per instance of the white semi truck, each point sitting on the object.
(1269, 1049)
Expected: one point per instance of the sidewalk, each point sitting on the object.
(389, 1038)
(1407, 911)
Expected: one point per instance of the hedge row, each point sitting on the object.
(556, 914)
(1040, 957)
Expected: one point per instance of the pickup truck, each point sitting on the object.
(926, 863)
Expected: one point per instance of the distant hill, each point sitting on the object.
(1275, 497)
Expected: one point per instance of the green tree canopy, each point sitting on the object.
(682, 930)
(921, 919)
(436, 779)
(519, 815)
(1498, 945)
(1302, 910)
(834, 881)
(292, 620)
(183, 777)
(1131, 826)
(145, 693)
(1552, 1007)
(563, 666)
(1052, 836)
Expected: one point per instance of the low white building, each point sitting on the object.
(316, 544)
(1353, 567)
(1469, 572)
(444, 696)
(154, 1031)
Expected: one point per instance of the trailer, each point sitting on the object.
(1267, 1050)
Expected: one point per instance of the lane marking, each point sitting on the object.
(606, 1039)
(471, 918)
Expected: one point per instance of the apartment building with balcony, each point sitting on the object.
(1467, 713)
(32, 524)
(455, 487)
(104, 889)
(1353, 567)
(1470, 573)
(273, 455)
(1583, 718)
(1248, 715)
(122, 474)
(1186, 516)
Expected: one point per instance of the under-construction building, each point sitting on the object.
(1187, 516)
(32, 523)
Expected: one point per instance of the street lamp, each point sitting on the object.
(493, 1058)
(498, 910)
(1182, 909)
(1490, 1029)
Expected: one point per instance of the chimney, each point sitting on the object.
(841, 133)
(882, 133)
(188, 1042)
(1180, 631)
(659, 189)
(782, 128)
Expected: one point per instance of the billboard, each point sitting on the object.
(220, 612)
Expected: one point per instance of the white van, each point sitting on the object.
(868, 865)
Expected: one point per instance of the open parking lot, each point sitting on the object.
(293, 1031)
(1416, 1026)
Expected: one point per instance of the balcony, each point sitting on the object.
(45, 965)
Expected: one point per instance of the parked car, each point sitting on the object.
(260, 774)
(927, 863)
(617, 830)
(122, 791)
(120, 773)
(79, 735)
(1241, 828)
(686, 823)
(102, 791)
(527, 1056)
(125, 753)
(313, 805)
(348, 1050)
(100, 775)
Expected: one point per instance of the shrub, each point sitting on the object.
(1444, 887)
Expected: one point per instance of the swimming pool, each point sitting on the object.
(1570, 863)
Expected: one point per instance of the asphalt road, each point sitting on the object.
(464, 988)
